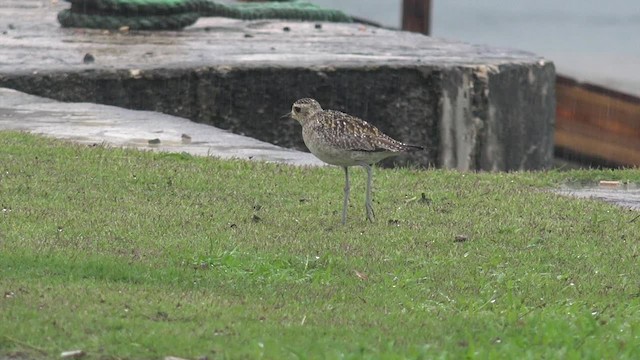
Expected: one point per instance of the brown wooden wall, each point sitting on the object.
(596, 122)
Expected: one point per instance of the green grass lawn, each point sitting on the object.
(127, 254)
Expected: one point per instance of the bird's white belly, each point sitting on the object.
(334, 155)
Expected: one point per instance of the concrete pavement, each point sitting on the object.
(92, 123)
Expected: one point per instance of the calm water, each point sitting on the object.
(594, 41)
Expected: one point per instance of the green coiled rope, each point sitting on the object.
(177, 14)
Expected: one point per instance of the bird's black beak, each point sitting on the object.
(287, 115)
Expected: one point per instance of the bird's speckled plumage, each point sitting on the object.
(344, 140)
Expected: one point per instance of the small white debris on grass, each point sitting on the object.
(73, 354)
(609, 183)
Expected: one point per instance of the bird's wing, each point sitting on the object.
(356, 134)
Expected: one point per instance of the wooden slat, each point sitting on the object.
(581, 139)
(597, 122)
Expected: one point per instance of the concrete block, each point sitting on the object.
(474, 107)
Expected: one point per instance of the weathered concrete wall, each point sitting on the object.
(469, 118)
(402, 102)
(473, 107)
(498, 117)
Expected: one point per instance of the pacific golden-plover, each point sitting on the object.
(344, 140)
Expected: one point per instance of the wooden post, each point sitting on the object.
(416, 16)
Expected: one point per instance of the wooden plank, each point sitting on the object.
(614, 149)
(597, 122)
(416, 16)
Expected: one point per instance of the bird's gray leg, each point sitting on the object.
(346, 195)
(368, 204)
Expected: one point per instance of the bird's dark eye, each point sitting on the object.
(296, 109)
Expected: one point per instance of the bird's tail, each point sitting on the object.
(408, 147)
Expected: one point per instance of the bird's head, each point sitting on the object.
(303, 109)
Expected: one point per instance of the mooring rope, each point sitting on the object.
(177, 14)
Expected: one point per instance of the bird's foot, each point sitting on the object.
(370, 213)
